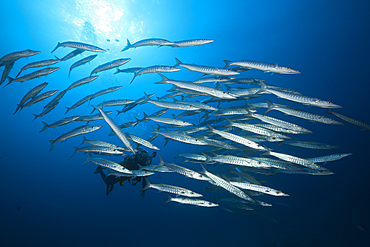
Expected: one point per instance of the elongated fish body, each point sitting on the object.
(171, 95)
(110, 65)
(141, 173)
(278, 129)
(242, 81)
(33, 75)
(147, 42)
(95, 117)
(239, 161)
(303, 114)
(81, 62)
(171, 189)
(56, 98)
(38, 64)
(12, 57)
(155, 69)
(102, 144)
(296, 160)
(199, 88)
(191, 42)
(84, 129)
(173, 105)
(299, 98)
(217, 79)
(46, 110)
(257, 130)
(128, 70)
(195, 202)
(32, 93)
(197, 157)
(327, 158)
(117, 130)
(351, 120)
(168, 120)
(72, 54)
(246, 91)
(217, 143)
(186, 172)
(180, 137)
(98, 150)
(105, 91)
(199, 105)
(6, 71)
(40, 97)
(238, 139)
(278, 164)
(110, 164)
(79, 45)
(230, 111)
(58, 123)
(205, 69)
(82, 81)
(79, 103)
(267, 67)
(142, 141)
(259, 188)
(226, 185)
(311, 145)
(281, 123)
(259, 138)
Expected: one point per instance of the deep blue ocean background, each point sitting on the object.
(49, 199)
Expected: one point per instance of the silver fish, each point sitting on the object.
(82, 82)
(191, 42)
(154, 69)
(33, 75)
(147, 42)
(38, 64)
(40, 97)
(267, 67)
(81, 62)
(17, 55)
(170, 189)
(351, 120)
(110, 164)
(110, 65)
(196, 202)
(32, 93)
(79, 45)
(205, 69)
(58, 123)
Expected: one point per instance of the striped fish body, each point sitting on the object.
(110, 164)
(181, 137)
(191, 42)
(217, 79)
(98, 150)
(117, 130)
(142, 142)
(157, 69)
(110, 65)
(311, 145)
(171, 189)
(6, 71)
(206, 69)
(128, 70)
(46, 110)
(259, 188)
(239, 161)
(267, 67)
(95, 117)
(17, 55)
(79, 103)
(56, 98)
(102, 144)
(280, 123)
(169, 121)
(186, 172)
(351, 120)
(33, 75)
(297, 160)
(82, 82)
(81, 62)
(58, 123)
(38, 64)
(173, 105)
(278, 129)
(80, 46)
(40, 98)
(327, 158)
(84, 129)
(230, 111)
(196, 202)
(278, 164)
(105, 91)
(257, 130)
(72, 54)
(32, 93)
(217, 143)
(147, 42)
(227, 186)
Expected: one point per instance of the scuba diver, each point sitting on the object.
(131, 162)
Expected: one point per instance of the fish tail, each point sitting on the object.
(227, 64)
(147, 185)
(118, 112)
(161, 162)
(178, 62)
(229, 123)
(84, 140)
(178, 154)
(76, 149)
(281, 143)
(164, 80)
(263, 87)
(154, 131)
(36, 116)
(18, 73)
(167, 140)
(128, 44)
(51, 144)
(118, 71)
(270, 106)
(329, 111)
(10, 79)
(146, 98)
(133, 78)
(45, 126)
(87, 160)
(69, 73)
(18, 106)
(169, 199)
(68, 108)
(55, 47)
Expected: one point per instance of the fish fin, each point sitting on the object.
(45, 126)
(169, 199)
(76, 149)
(281, 143)
(178, 62)
(36, 116)
(227, 64)
(167, 140)
(118, 71)
(178, 155)
(164, 80)
(161, 162)
(87, 160)
(10, 79)
(329, 111)
(18, 106)
(133, 77)
(55, 47)
(270, 106)
(84, 140)
(51, 144)
(68, 109)
(154, 131)
(128, 44)
(147, 185)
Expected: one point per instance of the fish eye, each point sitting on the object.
(329, 102)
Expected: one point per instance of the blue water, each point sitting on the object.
(49, 199)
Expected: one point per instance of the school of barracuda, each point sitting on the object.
(236, 139)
